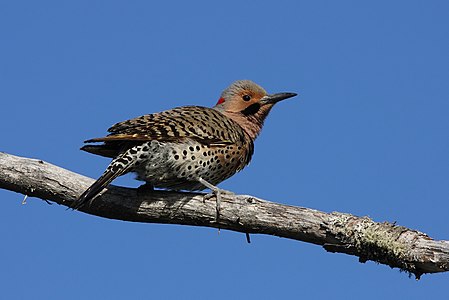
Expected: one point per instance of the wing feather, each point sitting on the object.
(205, 125)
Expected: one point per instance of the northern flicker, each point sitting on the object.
(189, 147)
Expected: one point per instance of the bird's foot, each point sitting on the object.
(216, 192)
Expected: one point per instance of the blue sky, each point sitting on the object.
(368, 135)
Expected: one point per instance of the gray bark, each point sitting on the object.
(385, 243)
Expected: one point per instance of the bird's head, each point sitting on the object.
(248, 104)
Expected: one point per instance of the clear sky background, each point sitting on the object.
(368, 135)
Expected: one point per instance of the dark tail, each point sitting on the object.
(107, 150)
(114, 170)
(94, 189)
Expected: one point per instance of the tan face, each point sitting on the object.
(242, 100)
(248, 105)
(240, 95)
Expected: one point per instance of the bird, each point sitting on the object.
(187, 148)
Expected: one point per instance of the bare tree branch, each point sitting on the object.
(386, 243)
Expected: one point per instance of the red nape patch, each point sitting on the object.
(220, 101)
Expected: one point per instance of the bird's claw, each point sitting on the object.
(215, 192)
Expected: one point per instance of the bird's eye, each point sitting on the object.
(246, 97)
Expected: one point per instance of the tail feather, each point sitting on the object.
(94, 189)
(115, 169)
(102, 150)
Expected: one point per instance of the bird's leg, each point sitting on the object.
(217, 192)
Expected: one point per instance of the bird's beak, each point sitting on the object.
(274, 98)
